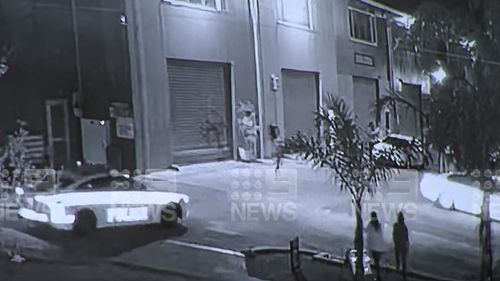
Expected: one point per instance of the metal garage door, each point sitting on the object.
(300, 101)
(409, 119)
(365, 93)
(201, 111)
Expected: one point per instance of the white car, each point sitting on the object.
(400, 151)
(103, 200)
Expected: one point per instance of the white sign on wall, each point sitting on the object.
(95, 139)
(125, 127)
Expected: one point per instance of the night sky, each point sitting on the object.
(410, 5)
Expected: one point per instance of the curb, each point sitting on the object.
(40, 258)
(335, 260)
(159, 270)
(45, 252)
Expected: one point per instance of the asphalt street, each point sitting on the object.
(41, 271)
(444, 243)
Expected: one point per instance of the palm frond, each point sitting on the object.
(341, 147)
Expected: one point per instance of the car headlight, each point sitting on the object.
(19, 191)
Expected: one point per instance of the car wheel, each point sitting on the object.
(446, 201)
(85, 222)
(170, 214)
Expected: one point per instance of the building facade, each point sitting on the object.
(283, 56)
(160, 82)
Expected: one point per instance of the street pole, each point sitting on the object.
(77, 45)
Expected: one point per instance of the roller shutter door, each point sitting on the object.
(201, 111)
(300, 101)
(365, 93)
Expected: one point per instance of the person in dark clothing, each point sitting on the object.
(401, 243)
(485, 244)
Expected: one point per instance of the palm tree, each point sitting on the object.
(347, 150)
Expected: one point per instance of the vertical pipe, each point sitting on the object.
(137, 71)
(77, 46)
(390, 55)
(255, 18)
(78, 77)
(390, 70)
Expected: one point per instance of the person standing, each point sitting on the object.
(375, 242)
(401, 241)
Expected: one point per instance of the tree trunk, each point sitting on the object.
(358, 243)
(485, 240)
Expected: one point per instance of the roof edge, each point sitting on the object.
(385, 8)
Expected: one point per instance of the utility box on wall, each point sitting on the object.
(95, 139)
(124, 121)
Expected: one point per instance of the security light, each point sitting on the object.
(439, 75)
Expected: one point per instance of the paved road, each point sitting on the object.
(444, 243)
(88, 272)
(234, 206)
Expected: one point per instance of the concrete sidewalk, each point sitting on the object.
(28, 246)
(191, 261)
(198, 262)
(275, 266)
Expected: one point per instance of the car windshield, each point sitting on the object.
(118, 183)
(65, 182)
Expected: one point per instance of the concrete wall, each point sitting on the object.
(159, 30)
(104, 66)
(149, 83)
(212, 36)
(295, 48)
(346, 49)
(227, 37)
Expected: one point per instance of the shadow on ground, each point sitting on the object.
(276, 267)
(106, 242)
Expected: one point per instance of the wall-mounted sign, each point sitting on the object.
(364, 59)
(275, 83)
(120, 109)
(125, 127)
(95, 139)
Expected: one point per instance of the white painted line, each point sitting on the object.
(441, 240)
(205, 248)
(222, 231)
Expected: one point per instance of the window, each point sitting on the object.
(296, 13)
(216, 5)
(387, 120)
(362, 26)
